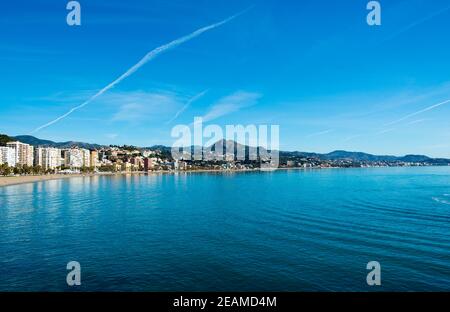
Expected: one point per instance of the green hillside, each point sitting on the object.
(4, 139)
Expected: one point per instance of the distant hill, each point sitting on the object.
(5, 139)
(29, 139)
(358, 156)
(369, 157)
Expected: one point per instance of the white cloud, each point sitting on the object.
(320, 133)
(112, 136)
(385, 131)
(231, 104)
(142, 106)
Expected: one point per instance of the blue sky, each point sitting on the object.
(313, 67)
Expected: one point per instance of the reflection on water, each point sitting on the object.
(284, 230)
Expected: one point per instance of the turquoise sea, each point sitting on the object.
(290, 230)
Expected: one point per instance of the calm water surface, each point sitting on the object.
(285, 230)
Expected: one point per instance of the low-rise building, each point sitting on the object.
(150, 163)
(291, 163)
(127, 167)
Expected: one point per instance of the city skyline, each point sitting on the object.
(320, 72)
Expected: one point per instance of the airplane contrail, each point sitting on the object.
(416, 23)
(417, 113)
(148, 57)
(188, 103)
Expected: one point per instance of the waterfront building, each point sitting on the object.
(23, 153)
(117, 166)
(126, 167)
(47, 157)
(52, 158)
(180, 165)
(77, 157)
(86, 157)
(291, 163)
(94, 159)
(38, 156)
(149, 163)
(7, 156)
(136, 167)
(138, 162)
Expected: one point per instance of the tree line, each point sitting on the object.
(6, 170)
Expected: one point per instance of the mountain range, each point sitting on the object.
(335, 155)
(29, 139)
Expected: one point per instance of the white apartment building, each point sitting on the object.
(77, 158)
(38, 156)
(7, 156)
(23, 153)
(86, 157)
(47, 157)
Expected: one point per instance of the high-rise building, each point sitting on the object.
(73, 158)
(86, 157)
(94, 159)
(7, 156)
(38, 151)
(47, 158)
(23, 153)
(52, 158)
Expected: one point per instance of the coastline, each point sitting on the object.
(15, 180)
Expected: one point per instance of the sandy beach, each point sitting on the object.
(5, 181)
(14, 180)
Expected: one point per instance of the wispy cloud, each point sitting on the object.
(148, 57)
(312, 135)
(185, 106)
(352, 137)
(141, 106)
(385, 131)
(230, 104)
(112, 136)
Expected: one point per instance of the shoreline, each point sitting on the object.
(16, 180)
